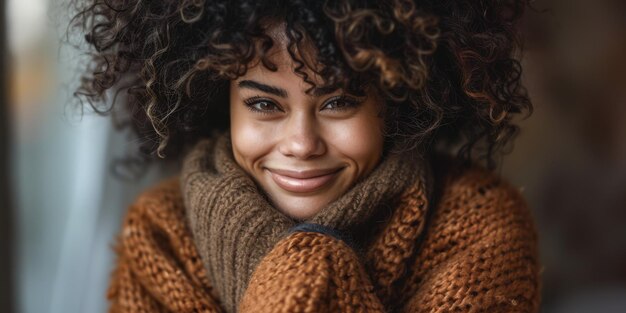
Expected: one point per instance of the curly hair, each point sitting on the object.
(447, 69)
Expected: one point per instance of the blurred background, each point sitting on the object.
(60, 206)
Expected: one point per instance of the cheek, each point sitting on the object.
(360, 138)
(250, 139)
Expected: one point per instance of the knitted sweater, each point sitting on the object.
(473, 248)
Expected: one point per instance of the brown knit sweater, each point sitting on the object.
(473, 248)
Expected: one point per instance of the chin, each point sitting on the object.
(298, 209)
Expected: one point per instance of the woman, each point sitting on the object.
(315, 140)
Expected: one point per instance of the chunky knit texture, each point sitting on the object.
(234, 225)
(472, 248)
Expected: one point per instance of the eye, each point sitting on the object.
(261, 105)
(341, 103)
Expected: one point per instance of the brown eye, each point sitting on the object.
(260, 105)
(264, 106)
(341, 103)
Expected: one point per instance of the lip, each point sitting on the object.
(303, 181)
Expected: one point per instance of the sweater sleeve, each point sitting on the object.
(158, 269)
(480, 253)
(310, 272)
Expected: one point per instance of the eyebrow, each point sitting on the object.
(280, 92)
(250, 84)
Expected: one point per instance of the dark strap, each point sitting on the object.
(317, 228)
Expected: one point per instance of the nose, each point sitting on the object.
(302, 138)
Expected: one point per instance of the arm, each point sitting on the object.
(158, 268)
(310, 272)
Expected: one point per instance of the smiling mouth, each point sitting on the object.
(303, 183)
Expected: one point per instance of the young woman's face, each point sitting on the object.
(304, 150)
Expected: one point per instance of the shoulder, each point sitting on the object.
(159, 209)
(158, 201)
(462, 190)
(156, 215)
(479, 249)
(156, 254)
(476, 210)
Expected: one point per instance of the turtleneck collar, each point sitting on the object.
(234, 225)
